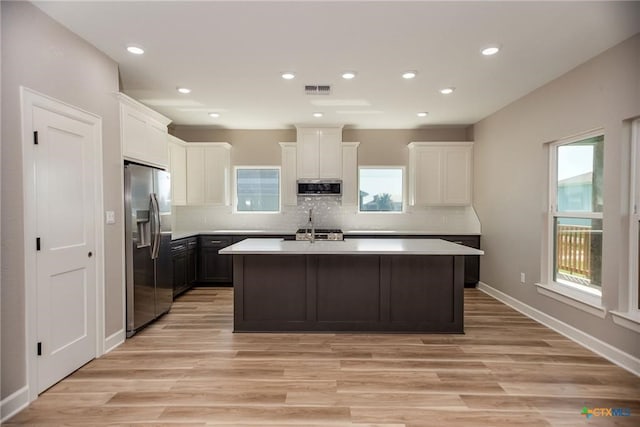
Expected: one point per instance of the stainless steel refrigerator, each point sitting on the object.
(148, 244)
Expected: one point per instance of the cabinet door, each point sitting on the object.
(178, 170)
(191, 266)
(179, 272)
(349, 173)
(216, 175)
(427, 172)
(195, 175)
(134, 133)
(213, 267)
(457, 176)
(288, 173)
(330, 153)
(307, 153)
(157, 150)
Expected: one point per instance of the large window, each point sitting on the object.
(381, 189)
(257, 189)
(576, 212)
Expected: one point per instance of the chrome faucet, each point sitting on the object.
(310, 226)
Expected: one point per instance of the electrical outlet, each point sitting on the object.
(522, 278)
(110, 217)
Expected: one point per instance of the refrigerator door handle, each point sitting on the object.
(156, 224)
(152, 226)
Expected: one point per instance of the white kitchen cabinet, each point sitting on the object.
(319, 152)
(178, 170)
(143, 133)
(350, 173)
(208, 173)
(288, 173)
(440, 173)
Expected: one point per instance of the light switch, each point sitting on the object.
(111, 217)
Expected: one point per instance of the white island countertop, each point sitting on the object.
(349, 247)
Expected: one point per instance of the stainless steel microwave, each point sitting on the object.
(319, 187)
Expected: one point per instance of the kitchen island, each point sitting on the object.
(357, 285)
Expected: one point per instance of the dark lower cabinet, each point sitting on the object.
(183, 254)
(471, 262)
(214, 269)
(192, 262)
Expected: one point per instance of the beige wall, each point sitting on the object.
(377, 147)
(40, 54)
(510, 182)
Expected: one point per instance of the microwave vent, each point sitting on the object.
(317, 89)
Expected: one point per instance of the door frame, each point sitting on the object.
(28, 100)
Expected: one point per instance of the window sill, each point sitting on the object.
(581, 300)
(627, 319)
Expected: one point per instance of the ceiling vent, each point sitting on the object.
(317, 89)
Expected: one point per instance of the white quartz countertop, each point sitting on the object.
(409, 233)
(349, 247)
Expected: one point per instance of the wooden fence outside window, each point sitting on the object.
(574, 250)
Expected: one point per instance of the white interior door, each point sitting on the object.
(65, 159)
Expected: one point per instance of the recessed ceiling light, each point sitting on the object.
(318, 114)
(447, 90)
(348, 75)
(214, 115)
(136, 50)
(422, 114)
(288, 75)
(184, 90)
(490, 50)
(409, 74)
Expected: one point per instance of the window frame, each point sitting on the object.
(404, 189)
(628, 314)
(235, 188)
(633, 305)
(592, 294)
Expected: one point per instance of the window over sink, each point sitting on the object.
(257, 189)
(381, 189)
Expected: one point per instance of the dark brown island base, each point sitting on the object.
(357, 285)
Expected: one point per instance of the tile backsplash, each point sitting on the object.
(328, 212)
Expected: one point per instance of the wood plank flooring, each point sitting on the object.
(189, 369)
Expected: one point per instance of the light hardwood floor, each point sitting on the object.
(190, 369)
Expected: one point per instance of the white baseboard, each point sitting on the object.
(14, 403)
(114, 340)
(609, 352)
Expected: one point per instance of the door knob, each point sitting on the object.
(90, 254)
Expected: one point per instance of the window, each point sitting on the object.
(576, 202)
(257, 189)
(381, 189)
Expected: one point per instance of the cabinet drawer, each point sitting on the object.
(215, 241)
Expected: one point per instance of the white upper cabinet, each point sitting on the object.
(350, 173)
(143, 133)
(319, 152)
(178, 170)
(440, 173)
(288, 173)
(208, 173)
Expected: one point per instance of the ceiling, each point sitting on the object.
(231, 55)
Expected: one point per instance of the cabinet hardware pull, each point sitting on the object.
(216, 241)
